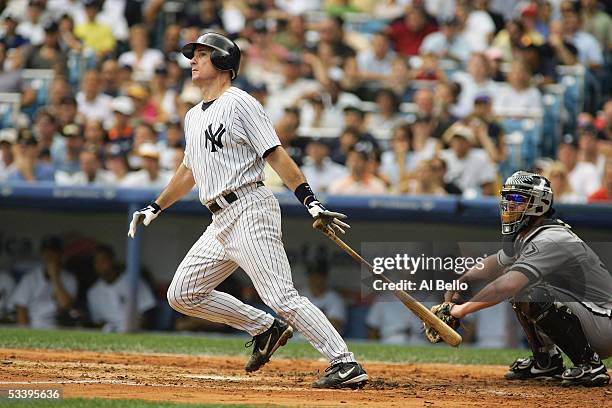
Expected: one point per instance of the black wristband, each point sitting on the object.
(155, 206)
(304, 193)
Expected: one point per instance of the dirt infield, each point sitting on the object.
(202, 379)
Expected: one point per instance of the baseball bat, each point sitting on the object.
(447, 334)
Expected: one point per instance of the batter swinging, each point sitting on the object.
(228, 138)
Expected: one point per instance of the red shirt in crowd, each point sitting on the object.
(408, 42)
(600, 195)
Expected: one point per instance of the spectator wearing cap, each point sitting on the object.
(48, 55)
(476, 81)
(47, 291)
(32, 26)
(107, 298)
(604, 193)
(116, 163)
(8, 138)
(322, 296)
(489, 133)
(397, 163)
(141, 58)
(11, 79)
(92, 103)
(151, 175)
(556, 173)
(518, 97)
(529, 18)
(96, 36)
(68, 162)
(583, 176)
(495, 59)
(597, 22)
(10, 37)
(359, 181)
(318, 166)
(469, 168)
(408, 33)
(91, 172)
(448, 43)
(375, 63)
(144, 106)
(589, 50)
(27, 165)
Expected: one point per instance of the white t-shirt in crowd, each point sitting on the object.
(584, 179)
(320, 178)
(509, 101)
(469, 91)
(79, 178)
(34, 292)
(141, 178)
(107, 302)
(144, 67)
(98, 109)
(470, 172)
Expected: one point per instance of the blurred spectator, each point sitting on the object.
(171, 42)
(58, 90)
(286, 129)
(48, 55)
(116, 163)
(45, 292)
(95, 135)
(346, 141)
(32, 26)
(438, 169)
(331, 33)
(163, 96)
(518, 97)
(359, 181)
(583, 177)
(589, 50)
(293, 38)
(478, 26)
(90, 174)
(400, 79)
(109, 78)
(429, 69)
(424, 182)
(387, 115)
(556, 173)
(408, 33)
(319, 168)
(11, 79)
(27, 166)
(7, 286)
(375, 63)
(322, 296)
(489, 133)
(597, 23)
(10, 37)
(604, 124)
(46, 134)
(8, 138)
(151, 175)
(68, 160)
(388, 322)
(207, 14)
(557, 48)
(605, 191)
(397, 163)
(587, 146)
(326, 110)
(543, 18)
(447, 43)
(497, 18)
(444, 99)
(144, 106)
(67, 112)
(92, 103)
(173, 143)
(67, 39)
(96, 36)
(468, 167)
(476, 81)
(424, 146)
(495, 60)
(542, 61)
(141, 58)
(107, 299)
(354, 117)
(121, 133)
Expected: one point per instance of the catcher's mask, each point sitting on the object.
(524, 196)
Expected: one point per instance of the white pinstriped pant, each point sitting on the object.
(247, 233)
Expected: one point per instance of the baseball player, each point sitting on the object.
(560, 290)
(229, 138)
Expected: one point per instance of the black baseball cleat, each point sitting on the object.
(266, 343)
(343, 375)
(591, 374)
(530, 369)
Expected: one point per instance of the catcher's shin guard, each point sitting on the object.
(543, 350)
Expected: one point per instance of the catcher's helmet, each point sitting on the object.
(225, 55)
(524, 196)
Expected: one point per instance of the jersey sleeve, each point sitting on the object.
(187, 155)
(541, 258)
(253, 126)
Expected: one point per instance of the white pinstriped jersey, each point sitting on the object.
(226, 143)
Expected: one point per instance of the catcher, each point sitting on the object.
(560, 290)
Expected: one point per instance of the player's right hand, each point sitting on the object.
(144, 215)
(330, 218)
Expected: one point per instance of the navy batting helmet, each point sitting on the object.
(225, 55)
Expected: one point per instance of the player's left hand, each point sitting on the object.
(444, 313)
(144, 216)
(330, 218)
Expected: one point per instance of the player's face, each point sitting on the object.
(513, 207)
(202, 68)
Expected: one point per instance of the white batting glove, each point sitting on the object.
(144, 216)
(329, 218)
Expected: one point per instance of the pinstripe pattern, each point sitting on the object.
(245, 233)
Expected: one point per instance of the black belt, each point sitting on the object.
(230, 198)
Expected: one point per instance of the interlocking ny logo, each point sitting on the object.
(215, 138)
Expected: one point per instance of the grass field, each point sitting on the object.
(227, 346)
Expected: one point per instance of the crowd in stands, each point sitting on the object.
(369, 97)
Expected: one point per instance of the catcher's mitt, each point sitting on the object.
(442, 311)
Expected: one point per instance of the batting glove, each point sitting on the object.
(329, 218)
(144, 216)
